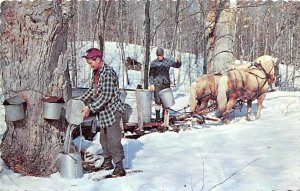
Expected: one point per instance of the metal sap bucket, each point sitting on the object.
(52, 110)
(167, 98)
(73, 112)
(130, 114)
(70, 163)
(52, 107)
(14, 108)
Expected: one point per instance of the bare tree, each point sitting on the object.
(121, 40)
(147, 43)
(101, 22)
(220, 37)
(32, 55)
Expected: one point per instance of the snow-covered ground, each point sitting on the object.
(245, 155)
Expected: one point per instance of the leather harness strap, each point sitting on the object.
(243, 89)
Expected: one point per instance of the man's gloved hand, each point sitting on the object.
(151, 87)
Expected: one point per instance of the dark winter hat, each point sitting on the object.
(93, 53)
(159, 52)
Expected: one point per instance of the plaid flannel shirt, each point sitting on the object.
(105, 100)
(159, 71)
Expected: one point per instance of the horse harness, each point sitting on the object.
(199, 98)
(243, 89)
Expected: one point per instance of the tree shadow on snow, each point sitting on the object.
(131, 148)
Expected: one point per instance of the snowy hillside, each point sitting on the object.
(112, 56)
(286, 74)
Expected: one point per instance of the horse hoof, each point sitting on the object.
(226, 122)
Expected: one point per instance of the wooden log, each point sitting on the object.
(166, 118)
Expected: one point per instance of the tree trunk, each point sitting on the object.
(147, 43)
(220, 38)
(120, 33)
(32, 57)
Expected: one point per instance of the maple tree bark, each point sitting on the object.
(33, 65)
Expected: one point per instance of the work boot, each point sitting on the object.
(157, 115)
(119, 170)
(107, 164)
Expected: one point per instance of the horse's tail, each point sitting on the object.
(193, 97)
(222, 93)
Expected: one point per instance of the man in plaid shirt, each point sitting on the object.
(103, 98)
(159, 77)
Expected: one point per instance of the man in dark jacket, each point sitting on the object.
(159, 77)
(103, 98)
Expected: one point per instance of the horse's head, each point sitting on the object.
(267, 64)
(128, 60)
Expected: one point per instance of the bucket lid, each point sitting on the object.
(53, 99)
(15, 100)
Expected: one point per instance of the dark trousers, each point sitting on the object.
(110, 139)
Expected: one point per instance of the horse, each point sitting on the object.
(240, 66)
(246, 85)
(202, 91)
(132, 64)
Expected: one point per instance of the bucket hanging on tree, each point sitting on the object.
(52, 107)
(14, 108)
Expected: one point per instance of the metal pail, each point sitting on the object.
(70, 165)
(14, 108)
(14, 112)
(52, 110)
(73, 112)
(167, 98)
(130, 114)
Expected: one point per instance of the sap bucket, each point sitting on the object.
(14, 108)
(70, 163)
(167, 98)
(130, 115)
(73, 112)
(52, 107)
